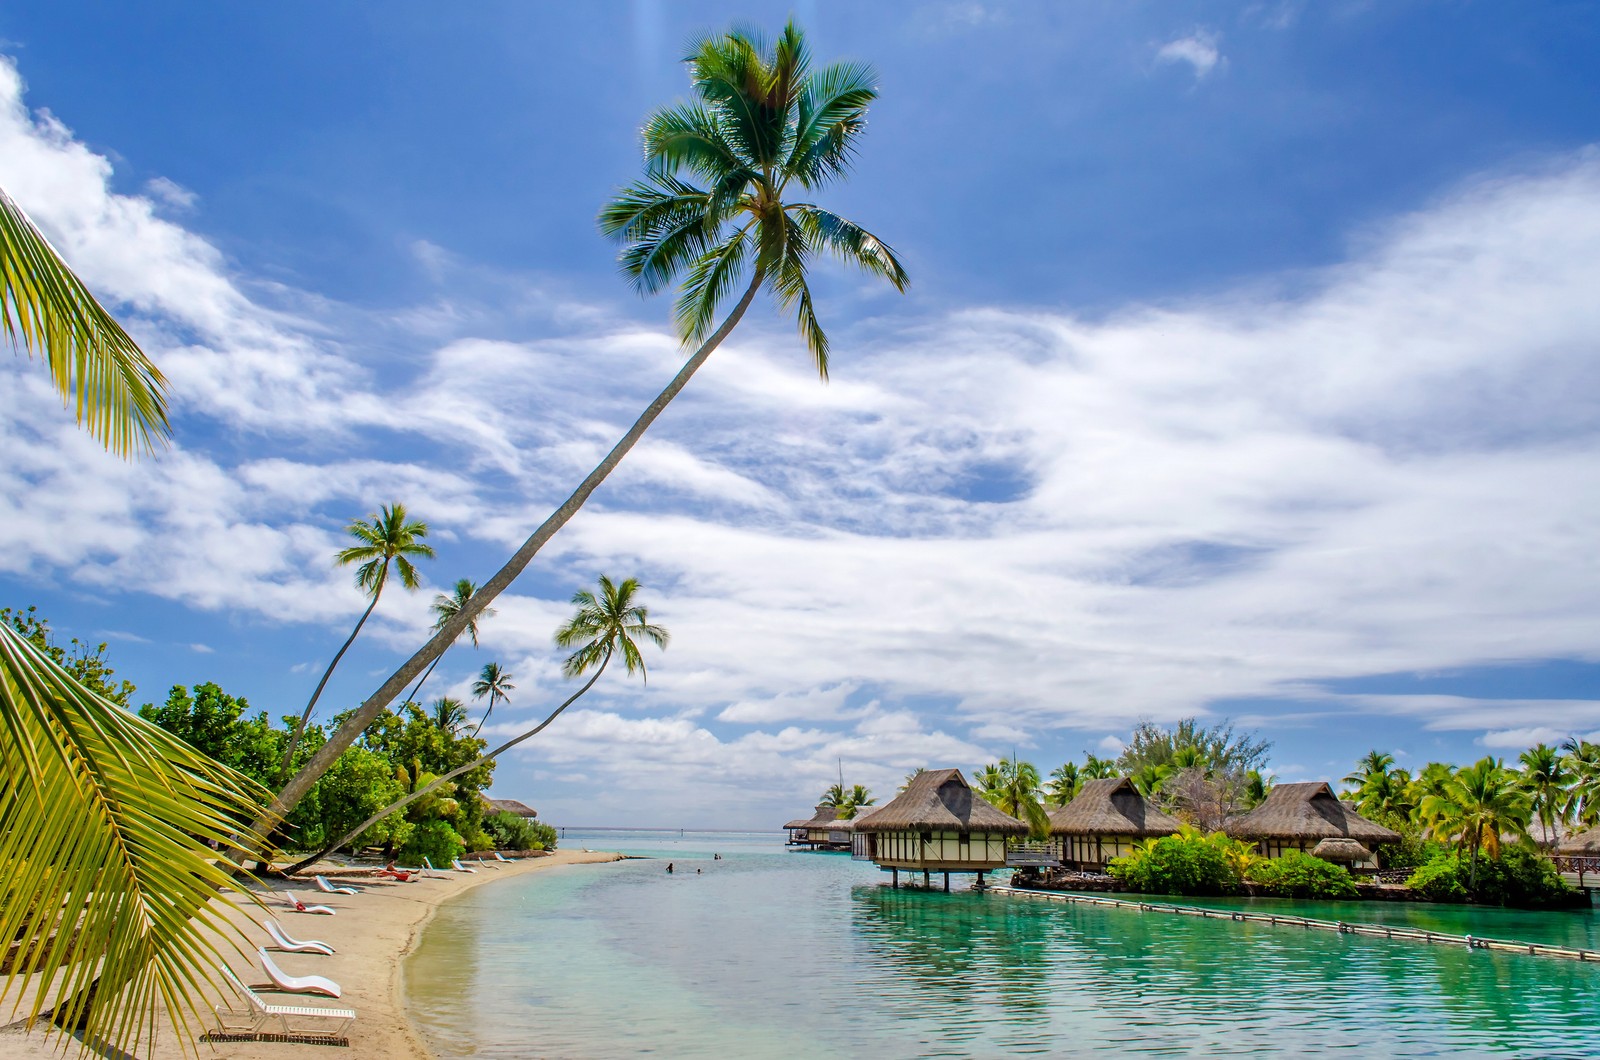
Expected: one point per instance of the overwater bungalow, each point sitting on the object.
(1105, 820)
(1301, 817)
(938, 824)
(825, 829)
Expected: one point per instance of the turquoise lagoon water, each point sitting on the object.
(770, 953)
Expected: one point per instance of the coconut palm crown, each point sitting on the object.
(715, 203)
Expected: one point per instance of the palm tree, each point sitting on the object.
(1373, 763)
(101, 812)
(1012, 785)
(1545, 778)
(857, 799)
(1097, 768)
(390, 538)
(1582, 760)
(606, 627)
(449, 716)
(913, 775)
(834, 797)
(444, 609)
(1149, 778)
(1479, 804)
(765, 124)
(1064, 784)
(494, 682)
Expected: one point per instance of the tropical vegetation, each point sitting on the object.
(727, 205)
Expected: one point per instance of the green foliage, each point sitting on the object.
(1013, 787)
(1188, 744)
(360, 784)
(1188, 863)
(1299, 875)
(511, 832)
(434, 840)
(1520, 878)
(87, 665)
(213, 723)
(1413, 850)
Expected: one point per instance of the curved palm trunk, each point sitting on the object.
(412, 695)
(357, 723)
(485, 717)
(474, 764)
(305, 716)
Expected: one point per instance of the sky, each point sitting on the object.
(1248, 371)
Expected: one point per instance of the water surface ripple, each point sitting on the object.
(768, 953)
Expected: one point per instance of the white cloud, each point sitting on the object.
(1199, 50)
(1110, 745)
(1394, 470)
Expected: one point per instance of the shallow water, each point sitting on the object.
(770, 953)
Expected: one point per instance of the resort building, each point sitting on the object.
(825, 829)
(521, 809)
(1105, 820)
(938, 824)
(1301, 817)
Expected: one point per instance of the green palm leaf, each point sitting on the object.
(119, 394)
(102, 818)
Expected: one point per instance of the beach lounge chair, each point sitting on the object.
(300, 907)
(288, 944)
(258, 1014)
(328, 888)
(297, 984)
(455, 863)
(501, 857)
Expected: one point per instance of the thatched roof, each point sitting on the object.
(521, 809)
(1341, 850)
(939, 800)
(1584, 844)
(1111, 807)
(824, 817)
(1306, 811)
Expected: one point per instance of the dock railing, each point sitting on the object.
(1383, 931)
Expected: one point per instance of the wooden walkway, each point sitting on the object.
(1379, 931)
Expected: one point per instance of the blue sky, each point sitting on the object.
(1248, 370)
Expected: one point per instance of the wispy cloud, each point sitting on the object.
(1199, 50)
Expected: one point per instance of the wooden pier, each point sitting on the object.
(1380, 931)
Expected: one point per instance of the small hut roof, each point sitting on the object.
(1341, 850)
(521, 809)
(1584, 844)
(1306, 811)
(1111, 807)
(825, 816)
(939, 800)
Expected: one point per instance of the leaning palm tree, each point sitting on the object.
(1545, 778)
(764, 127)
(105, 873)
(1372, 764)
(495, 682)
(445, 608)
(1582, 761)
(390, 538)
(606, 627)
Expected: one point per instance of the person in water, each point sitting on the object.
(669, 866)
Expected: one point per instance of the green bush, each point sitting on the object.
(434, 840)
(1520, 878)
(511, 832)
(1187, 863)
(1297, 874)
(1413, 850)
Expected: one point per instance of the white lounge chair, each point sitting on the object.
(502, 858)
(328, 888)
(301, 907)
(297, 984)
(258, 1014)
(455, 863)
(289, 944)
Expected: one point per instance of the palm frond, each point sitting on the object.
(852, 243)
(830, 116)
(729, 74)
(647, 207)
(103, 862)
(688, 136)
(790, 287)
(709, 281)
(120, 396)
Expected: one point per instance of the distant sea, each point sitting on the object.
(774, 953)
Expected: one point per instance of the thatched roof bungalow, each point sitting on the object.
(521, 809)
(1300, 816)
(1106, 820)
(938, 824)
(1581, 844)
(824, 828)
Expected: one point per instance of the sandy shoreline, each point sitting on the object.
(371, 934)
